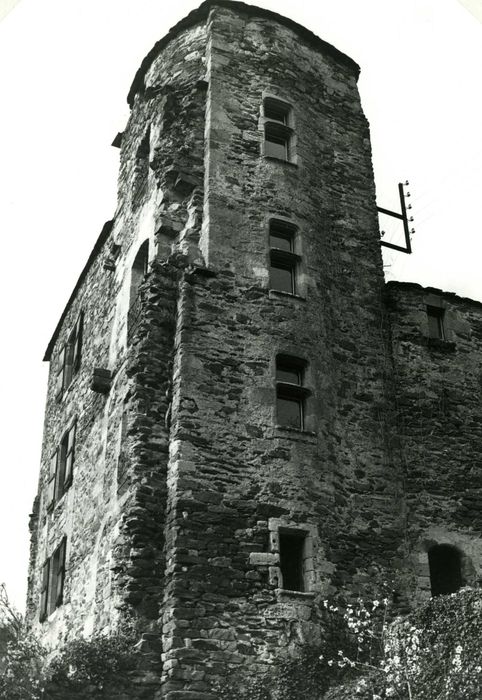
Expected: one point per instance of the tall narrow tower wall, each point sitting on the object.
(237, 478)
(186, 479)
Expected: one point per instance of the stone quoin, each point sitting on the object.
(242, 418)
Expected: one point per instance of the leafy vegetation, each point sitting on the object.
(98, 667)
(433, 654)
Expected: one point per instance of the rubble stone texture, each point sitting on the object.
(182, 478)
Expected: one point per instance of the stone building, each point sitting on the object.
(242, 417)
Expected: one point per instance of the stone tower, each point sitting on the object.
(221, 446)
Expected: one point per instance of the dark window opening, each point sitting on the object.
(277, 141)
(65, 462)
(53, 576)
(445, 566)
(281, 236)
(61, 467)
(138, 274)
(68, 362)
(276, 111)
(290, 392)
(290, 374)
(289, 411)
(141, 171)
(435, 317)
(282, 277)
(278, 134)
(291, 550)
(283, 260)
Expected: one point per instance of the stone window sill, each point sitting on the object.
(302, 435)
(273, 159)
(284, 595)
(278, 294)
(446, 346)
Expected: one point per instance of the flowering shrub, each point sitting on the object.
(21, 673)
(433, 654)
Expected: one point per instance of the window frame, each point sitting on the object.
(281, 258)
(308, 532)
(138, 272)
(61, 466)
(286, 534)
(295, 392)
(278, 130)
(436, 322)
(141, 168)
(53, 580)
(69, 358)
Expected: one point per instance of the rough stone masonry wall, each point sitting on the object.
(170, 110)
(233, 474)
(115, 538)
(86, 513)
(439, 417)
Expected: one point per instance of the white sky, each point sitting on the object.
(66, 68)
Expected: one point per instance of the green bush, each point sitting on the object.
(95, 666)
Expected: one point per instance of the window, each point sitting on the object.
(138, 274)
(53, 575)
(61, 467)
(141, 168)
(290, 392)
(445, 564)
(278, 132)
(68, 362)
(291, 552)
(435, 317)
(283, 259)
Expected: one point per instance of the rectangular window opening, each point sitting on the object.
(52, 586)
(292, 545)
(278, 131)
(435, 317)
(276, 143)
(289, 411)
(282, 277)
(289, 374)
(68, 362)
(290, 392)
(276, 111)
(283, 260)
(61, 468)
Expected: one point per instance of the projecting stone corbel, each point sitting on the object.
(101, 380)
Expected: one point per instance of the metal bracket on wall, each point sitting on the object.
(403, 216)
